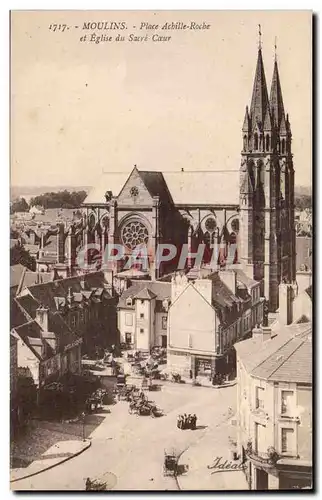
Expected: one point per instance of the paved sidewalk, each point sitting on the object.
(208, 463)
(56, 454)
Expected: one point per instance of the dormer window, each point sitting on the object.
(129, 301)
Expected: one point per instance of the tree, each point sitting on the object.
(303, 201)
(60, 199)
(18, 255)
(19, 205)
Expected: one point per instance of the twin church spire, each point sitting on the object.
(265, 126)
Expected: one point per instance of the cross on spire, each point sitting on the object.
(259, 37)
(275, 48)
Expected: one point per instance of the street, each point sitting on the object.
(132, 447)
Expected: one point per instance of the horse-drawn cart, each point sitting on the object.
(106, 481)
(170, 466)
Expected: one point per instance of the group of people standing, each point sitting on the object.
(187, 421)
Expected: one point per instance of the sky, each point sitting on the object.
(80, 108)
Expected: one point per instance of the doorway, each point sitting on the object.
(261, 480)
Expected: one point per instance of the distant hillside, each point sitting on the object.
(303, 190)
(28, 192)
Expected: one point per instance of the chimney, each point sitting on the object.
(262, 332)
(70, 296)
(229, 278)
(286, 295)
(108, 280)
(82, 282)
(42, 317)
(71, 249)
(60, 244)
(178, 283)
(32, 237)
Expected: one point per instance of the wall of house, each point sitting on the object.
(161, 320)
(304, 430)
(126, 324)
(302, 306)
(143, 325)
(179, 362)
(270, 417)
(192, 322)
(27, 359)
(74, 360)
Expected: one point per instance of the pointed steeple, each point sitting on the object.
(246, 121)
(283, 128)
(267, 121)
(276, 99)
(246, 186)
(259, 102)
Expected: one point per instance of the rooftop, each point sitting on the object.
(185, 187)
(153, 289)
(286, 357)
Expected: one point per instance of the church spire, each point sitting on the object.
(276, 99)
(259, 102)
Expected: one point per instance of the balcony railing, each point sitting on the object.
(265, 459)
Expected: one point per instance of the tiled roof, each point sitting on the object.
(197, 187)
(185, 188)
(145, 294)
(13, 242)
(222, 296)
(45, 293)
(30, 329)
(162, 290)
(132, 273)
(285, 357)
(112, 181)
(28, 304)
(57, 328)
(155, 183)
(246, 280)
(16, 272)
(33, 249)
(17, 316)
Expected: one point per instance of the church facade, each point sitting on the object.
(248, 212)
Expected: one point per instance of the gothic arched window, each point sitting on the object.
(245, 142)
(267, 142)
(283, 146)
(256, 142)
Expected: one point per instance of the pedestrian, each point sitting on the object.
(185, 421)
(88, 484)
(194, 422)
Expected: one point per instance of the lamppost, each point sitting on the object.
(83, 415)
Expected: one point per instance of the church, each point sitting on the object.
(250, 208)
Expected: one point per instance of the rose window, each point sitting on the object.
(134, 234)
(210, 225)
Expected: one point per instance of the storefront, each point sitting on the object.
(294, 477)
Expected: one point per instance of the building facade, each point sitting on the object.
(143, 314)
(206, 318)
(274, 407)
